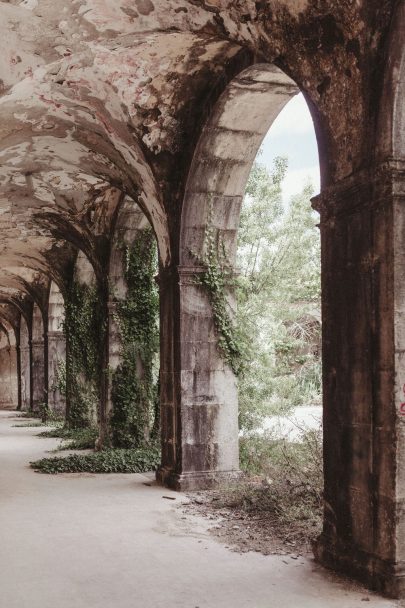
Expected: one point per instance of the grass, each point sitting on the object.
(73, 439)
(29, 425)
(28, 414)
(284, 483)
(107, 461)
(44, 417)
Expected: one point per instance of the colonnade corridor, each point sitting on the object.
(118, 541)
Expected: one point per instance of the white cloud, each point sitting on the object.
(296, 180)
(294, 118)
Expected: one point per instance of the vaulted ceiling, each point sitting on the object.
(101, 99)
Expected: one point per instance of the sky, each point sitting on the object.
(292, 134)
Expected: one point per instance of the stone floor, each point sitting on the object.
(110, 541)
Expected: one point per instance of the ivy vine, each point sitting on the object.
(217, 278)
(59, 381)
(134, 390)
(84, 327)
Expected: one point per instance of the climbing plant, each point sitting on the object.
(134, 386)
(59, 381)
(217, 278)
(84, 327)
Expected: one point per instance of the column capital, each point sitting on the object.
(37, 343)
(344, 196)
(368, 187)
(55, 334)
(166, 275)
(186, 275)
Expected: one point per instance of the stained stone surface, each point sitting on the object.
(161, 106)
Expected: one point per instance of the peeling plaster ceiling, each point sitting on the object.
(94, 93)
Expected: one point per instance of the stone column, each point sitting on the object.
(363, 295)
(19, 394)
(25, 355)
(114, 352)
(199, 404)
(38, 374)
(8, 377)
(56, 356)
(14, 390)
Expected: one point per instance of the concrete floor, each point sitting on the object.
(109, 541)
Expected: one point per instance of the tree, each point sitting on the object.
(278, 298)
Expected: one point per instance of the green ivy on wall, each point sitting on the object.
(84, 327)
(217, 278)
(134, 387)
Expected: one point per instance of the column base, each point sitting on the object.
(7, 405)
(196, 480)
(385, 577)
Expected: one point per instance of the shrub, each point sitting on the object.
(285, 480)
(107, 461)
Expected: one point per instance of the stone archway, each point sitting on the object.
(8, 367)
(362, 479)
(199, 393)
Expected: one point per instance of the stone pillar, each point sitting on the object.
(363, 295)
(56, 356)
(8, 376)
(199, 404)
(19, 395)
(13, 376)
(25, 356)
(114, 351)
(38, 374)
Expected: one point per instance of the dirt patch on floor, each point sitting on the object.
(244, 518)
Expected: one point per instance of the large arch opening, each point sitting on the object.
(206, 414)
(8, 368)
(278, 298)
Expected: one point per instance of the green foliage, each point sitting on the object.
(134, 386)
(109, 461)
(278, 295)
(47, 415)
(291, 482)
(74, 439)
(62, 432)
(84, 327)
(273, 342)
(28, 414)
(29, 425)
(216, 279)
(59, 381)
(280, 496)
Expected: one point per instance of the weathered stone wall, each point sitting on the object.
(38, 359)
(130, 220)
(25, 355)
(56, 349)
(8, 371)
(165, 102)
